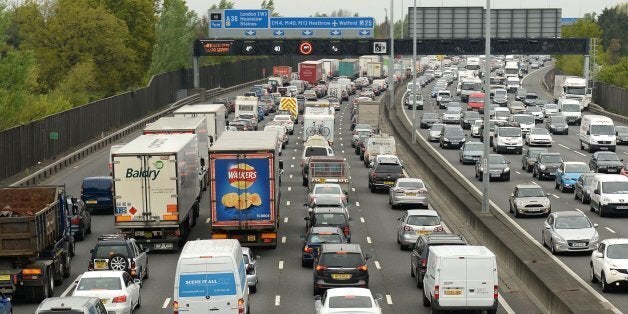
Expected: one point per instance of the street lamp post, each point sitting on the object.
(487, 99)
(414, 74)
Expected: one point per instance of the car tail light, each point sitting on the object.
(423, 191)
(175, 307)
(346, 230)
(423, 262)
(321, 267)
(495, 292)
(308, 249)
(439, 229)
(75, 220)
(407, 228)
(91, 265)
(119, 299)
(133, 270)
(240, 306)
(436, 292)
(363, 268)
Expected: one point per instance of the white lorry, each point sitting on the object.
(572, 87)
(191, 125)
(375, 70)
(215, 114)
(156, 189)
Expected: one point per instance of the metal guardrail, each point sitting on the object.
(77, 155)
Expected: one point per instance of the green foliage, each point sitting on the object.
(583, 28)
(614, 23)
(270, 6)
(18, 77)
(223, 4)
(616, 74)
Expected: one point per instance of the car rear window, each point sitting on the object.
(330, 219)
(103, 283)
(350, 302)
(341, 259)
(388, 168)
(315, 151)
(423, 220)
(103, 184)
(105, 251)
(317, 238)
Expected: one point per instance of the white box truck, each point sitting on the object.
(177, 125)
(375, 70)
(572, 87)
(215, 114)
(156, 189)
(461, 277)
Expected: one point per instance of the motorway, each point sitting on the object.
(285, 286)
(568, 147)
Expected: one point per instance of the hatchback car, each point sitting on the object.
(606, 162)
(117, 290)
(539, 137)
(582, 188)
(250, 262)
(421, 252)
(428, 119)
(550, 109)
(621, 134)
(529, 199)
(557, 124)
(452, 115)
(433, 134)
(408, 191)
(609, 264)
(546, 164)
(468, 119)
(416, 222)
(498, 168)
(80, 218)
(117, 252)
(340, 265)
(97, 193)
(569, 231)
(325, 190)
(383, 175)
(350, 300)
(529, 158)
(452, 136)
(71, 304)
(316, 237)
(329, 217)
(471, 152)
(568, 173)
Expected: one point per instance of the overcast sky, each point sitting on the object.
(375, 8)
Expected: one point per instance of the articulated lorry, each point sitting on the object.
(349, 68)
(215, 114)
(35, 241)
(572, 87)
(245, 173)
(156, 189)
(368, 112)
(330, 67)
(311, 71)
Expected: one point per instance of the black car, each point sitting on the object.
(607, 162)
(340, 265)
(117, 252)
(498, 168)
(329, 217)
(546, 165)
(80, 218)
(468, 118)
(557, 124)
(421, 251)
(529, 157)
(316, 237)
(452, 136)
(428, 119)
(384, 175)
(582, 188)
(621, 133)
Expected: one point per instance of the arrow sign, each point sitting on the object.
(248, 48)
(364, 32)
(335, 32)
(307, 32)
(278, 33)
(250, 32)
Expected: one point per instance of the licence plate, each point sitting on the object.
(453, 292)
(612, 169)
(622, 207)
(163, 246)
(341, 276)
(510, 148)
(100, 264)
(422, 232)
(91, 202)
(389, 182)
(104, 301)
(603, 148)
(250, 238)
(410, 194)
(495, 174)
(5, 277)
(579, 244)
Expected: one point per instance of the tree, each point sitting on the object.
(175, 33)
(585, 27)
(613, 23)
(223, 4)
(270, 6)
(616, 74)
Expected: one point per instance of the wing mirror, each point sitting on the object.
(596, 191)
(598, 254)
(595, 225)
(317, 298)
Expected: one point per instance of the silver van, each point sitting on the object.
(73, 305)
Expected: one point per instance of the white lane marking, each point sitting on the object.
(626, 153)
(293, 157)
(352, 189)
(280, 265)
(388, 299)
(283, 239)
(166, 303)
(341, 138)
(289, 188)
(287, 204)
(290, 176)
(578, 209)
(208, 220)
(368, 240)
(71, 286)
(277, 300)
(295, 149)
(517, 172)
(285, 220)
(563, 146)
(339, 133)
(556, 196)
(357, 204)
(505, 305)
(362, 219)
(579, 153)
(377, 265)
(609, 229)
(291, 166)
(298, 137)
(343, 151)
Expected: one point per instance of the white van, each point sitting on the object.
(512, 84)
(608, 194)
(597, 133)
(570, 108)
(211, 276)
(460, 277)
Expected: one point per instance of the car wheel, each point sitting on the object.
(253, 288)
(317, 291)
(543, 239)
(529, 169)
(426, 301)
(575, 195)
(534, 173)
(81, 234)
(601, 212)
(605, 286)
(517, 215)
(556, 185)
(480, 176)
(146, 274)
(139, 301)
(592, 275)
(507, 178)
(552, 247)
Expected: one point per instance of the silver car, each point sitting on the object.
(452, 115)
(416, 222)
(410, 191)
(529, 199)
(251, 268)
(569, 231)
(434, 132)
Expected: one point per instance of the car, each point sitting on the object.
(325, 190)
(331, 201)
(357, 133)
(421, 252)
(521, 94)
(80, 218)
(241, 124)
(508, 139)
(546, 164)
(471, 152)
(469, 118)
(408, 191)
(621, 133)
(310, 95)
(582, 188)
(452, 136)
(569, 231)
(529, 199)
(624, 170)
(539, 137)
(444, 101)
(313, 240)
(334, 102)
(452, 115)
(475, 128)
(118, 291)
(118, 252)
(609, 263)
(567, 175)
(550, 109)
(97, 194)
(557, 124)
(250, 262)
(418, 100)
(383, 175)
(529, 158)
(415, 222)
(321, 216)
(72, 305)
(5, 304)
(501, 113)
(500, 97)
(340, 265)
(516, 107)
(524, 121)
(285, 120)
(428, 119)
(530, 98)
(359, 144)
(347, 300)
(254, 119)
(433, 134)
(498, 168)
(605, 162)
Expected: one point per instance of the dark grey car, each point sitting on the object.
(468, 118)
(529, 158)
(622, 134)
(546, 164)
(557, 124)
(582, 188)
(498, 168)
(607, 162)
(452, 136)
(471, 152)
(428, 119)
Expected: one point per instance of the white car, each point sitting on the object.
(282, 132)
(569, 231)
(550, 109)
(347, 300)
(475, 128)
(325, 190)
(285, 120)
(117, 290)
(434, 133)
(452, 115)
(609, 263)
(540, 137)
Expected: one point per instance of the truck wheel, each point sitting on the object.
(304, 182)
(81, 234)
(67, 267)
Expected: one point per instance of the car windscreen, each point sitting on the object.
(571, 108)
(608, 157)
(430, 116)
(341, 259)
(531, 192)
(551, 159)
(333, 190)
(97, 185)
(558, 119)
(474, 146)
(315, 151)
(106, 251)
(602, 129)
(621, 129)
(617, 251)
(393, 168)
(410, 184)
(539, 131)
(576, 168)
(510, 132)
(423, 220)
(524, 119)
(576, 222)
(436, 127)
(453, 132)
(350, 302)
(318, 238)
(615, 187)
(102, 283)
(330, 219)
(496, 160)
(551, 106)
(533, 109)
(476, 99)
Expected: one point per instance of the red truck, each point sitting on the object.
(476, 102)
(311, 71)
(283, 71)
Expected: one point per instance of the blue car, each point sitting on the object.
(316, 237)
(5, 304)
(568, 173)
(260, 112)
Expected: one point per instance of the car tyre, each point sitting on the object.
(139, 302)
(81, 234)
(146, 273)
(517, 215)
(600, 211)
(253, 288)
(604, 284)
(592, 274)
(412, 271)
(426, 301)
(552, 247)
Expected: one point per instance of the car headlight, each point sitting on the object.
(595, 238)
(519, 203)
(559, 239)
(552, 126)
(445, 139)
(542, 167)
(507, 169)
(604, 200)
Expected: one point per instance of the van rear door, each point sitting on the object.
(453, 282)
(480, 280)
(207, 285)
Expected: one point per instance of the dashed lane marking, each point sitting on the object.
(362, 219)
(368, 240)
(556, 196)
(166, 303)
(285, 220)
(388, 299)
(581, 154)
(357, 204)
(517, 172)
(287, 204)
(283, 239)
(277, 300)
(280, 265)
(609, 229)
(289, 188)
(208, 220)
(563, 146)
(377, 265)
(352, 189)
(290, 176)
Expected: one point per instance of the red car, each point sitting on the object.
(476, 102)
